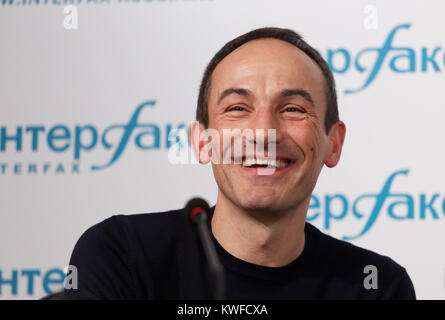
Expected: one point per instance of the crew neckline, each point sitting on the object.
(240, 266)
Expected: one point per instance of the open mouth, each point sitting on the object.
(250, 162)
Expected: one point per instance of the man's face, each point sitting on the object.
(276, 87)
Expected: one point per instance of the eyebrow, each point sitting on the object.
(283, 94)
(297, 92)
(240, 91)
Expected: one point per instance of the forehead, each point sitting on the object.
(267, 66)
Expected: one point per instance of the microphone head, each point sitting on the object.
(195, 206)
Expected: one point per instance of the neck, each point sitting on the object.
(271, 239)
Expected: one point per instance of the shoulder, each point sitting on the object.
(134, 234)
(152, 225)
(117, 247)
(345, 253)
(347, 262)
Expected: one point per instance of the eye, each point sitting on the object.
(294, 109)
(236, 108)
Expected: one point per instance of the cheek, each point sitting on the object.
(309, 138)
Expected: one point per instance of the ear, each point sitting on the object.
(336, 138)
(196, 128)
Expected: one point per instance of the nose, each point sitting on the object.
(265, 119)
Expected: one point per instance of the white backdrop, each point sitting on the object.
(61, 89)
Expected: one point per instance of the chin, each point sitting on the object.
(260, 201)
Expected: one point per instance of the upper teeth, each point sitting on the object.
(270, 163)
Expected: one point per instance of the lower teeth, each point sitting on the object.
(264, 166)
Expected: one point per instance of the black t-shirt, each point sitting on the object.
(159, 256)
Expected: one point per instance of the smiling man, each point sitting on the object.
(268, 79)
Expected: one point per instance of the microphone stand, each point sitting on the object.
(215, 267)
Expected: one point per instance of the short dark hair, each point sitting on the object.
(290, 36)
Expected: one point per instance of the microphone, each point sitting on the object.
(197, 210)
